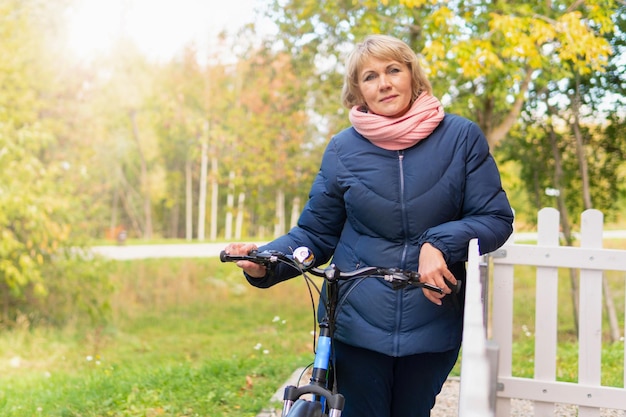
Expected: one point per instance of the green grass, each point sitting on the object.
(192, 338)
(186, 338)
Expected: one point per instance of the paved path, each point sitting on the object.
(204, 250)
(183, 250)
(447, 404)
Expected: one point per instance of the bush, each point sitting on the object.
(73, 288)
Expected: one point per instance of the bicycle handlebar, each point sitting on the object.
(302, 259)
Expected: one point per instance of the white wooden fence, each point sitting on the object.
(544, 390)
(476, 370)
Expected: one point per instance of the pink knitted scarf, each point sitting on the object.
(400, 132)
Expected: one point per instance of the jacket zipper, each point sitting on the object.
(400, 293)
(403, 208)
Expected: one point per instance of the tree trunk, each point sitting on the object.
(188, 201)
(174, 219)
(230, 206)
(204, 160)
(580, 147)
(239, 221)
(295, 212)
(126, 191)
(279, 227)
(145, 180)
(496, 134)
(565, 225)
(114, 205)
(215, 187)
(587, 204)
(610, 310)
(130, 212)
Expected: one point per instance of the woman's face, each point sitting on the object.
(386, 87)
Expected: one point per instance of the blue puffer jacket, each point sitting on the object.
(373, 207)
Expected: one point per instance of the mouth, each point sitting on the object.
(388, 98)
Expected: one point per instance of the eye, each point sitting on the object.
(369, 77)
(394, 70)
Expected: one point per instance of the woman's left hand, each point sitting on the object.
(433, 270)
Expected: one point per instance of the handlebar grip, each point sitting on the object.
(252, 257)
(456, 288)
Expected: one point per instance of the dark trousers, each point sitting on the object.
(377, 385)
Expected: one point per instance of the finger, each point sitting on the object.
(233, 249)
(249, 248)
(449, 282)
(248, 266)
(441, 283)
(453, 286)
(450, 277)
(252, 269)
(433, 296)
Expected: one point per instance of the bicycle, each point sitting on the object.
(325, 401)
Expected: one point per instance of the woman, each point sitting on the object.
(406, 186)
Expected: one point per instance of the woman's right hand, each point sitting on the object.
(250, 268)
(433, 270)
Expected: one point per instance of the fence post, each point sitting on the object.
(475, 384)
(590, 310)
(502, 327)
(484, 282)
(546, 307)
(493, 352)
(491, 346)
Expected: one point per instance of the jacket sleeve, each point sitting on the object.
(486, 212)
(319, 226)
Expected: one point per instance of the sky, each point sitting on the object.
(160, 28)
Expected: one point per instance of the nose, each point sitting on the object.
(383, 82)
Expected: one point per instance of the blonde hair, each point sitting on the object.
(381, 47)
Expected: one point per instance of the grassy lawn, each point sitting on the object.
(567, 350)
(192, 338)
(186, 338)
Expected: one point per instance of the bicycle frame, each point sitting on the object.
(321, 382)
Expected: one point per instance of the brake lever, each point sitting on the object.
(400, 280)
(398, 285)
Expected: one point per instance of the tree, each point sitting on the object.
(129, 86)
(587, 155)
(180, 117)
(494, 57)
(481, 55)
(275, 140)
(39, 220)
